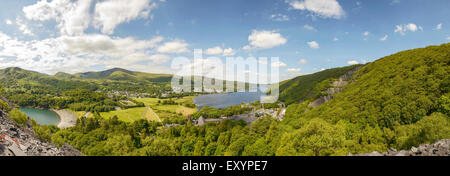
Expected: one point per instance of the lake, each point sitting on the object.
(42, 116)
(227, 99)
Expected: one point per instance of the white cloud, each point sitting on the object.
(160, 58)
(72, 17)
(219, 51)
(265, 40)
(366, 33)
(448, 38)
(439, 26)
(293, 71)
(308, 27)
(318, 69)
(177, 46)
(335, 39)
(353, 62)
(402, 29)
(321, 8)
(313, 45)
(384, 38)
(279, 17)
(395, 2)
(104, 45)
(110, 13)
(8, 22)
(229, 52)
(82, 53)
(43, 10)
(247, 47)
(24, 27)
(76, 20)
(46, 55)
(302, 61)
(278, 64)
(214, 51)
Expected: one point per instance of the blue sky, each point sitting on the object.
(145, 35)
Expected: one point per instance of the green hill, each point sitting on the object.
(309, 87)
(63, 75)
(398, 101)
(17, 78)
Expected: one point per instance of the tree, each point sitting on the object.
(19, 117)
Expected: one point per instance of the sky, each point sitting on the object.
(307, 36)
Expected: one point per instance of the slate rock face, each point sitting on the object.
(16, 141)
(439, 148)
(336, 87)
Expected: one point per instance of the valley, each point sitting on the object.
(399, 101)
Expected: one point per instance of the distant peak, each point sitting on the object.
(14, 68)
(117, 69)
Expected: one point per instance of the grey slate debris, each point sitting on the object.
(439, 148)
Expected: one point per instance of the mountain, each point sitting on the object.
(17, 72)
(17, 78)
(123, 74)
(113, 79)
(309, 87)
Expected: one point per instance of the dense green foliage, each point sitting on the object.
(97, 136)
(309, 87)
(77, 100)
(4, 106)
(213, 113)
(19, 117)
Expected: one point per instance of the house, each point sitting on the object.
(200, 121)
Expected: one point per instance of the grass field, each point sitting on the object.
(153, 103)
(127, 115)
(151, 112)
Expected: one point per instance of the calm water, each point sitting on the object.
(42, 117)
(229, 99)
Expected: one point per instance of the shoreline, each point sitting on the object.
(67, 119)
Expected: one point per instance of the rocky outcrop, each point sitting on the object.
(440, 148)
(335, 88)
(16, 141)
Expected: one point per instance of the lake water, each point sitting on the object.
(228, 99)
(42, 117)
